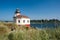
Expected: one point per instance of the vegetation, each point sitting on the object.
(23, 33)
(46, 21)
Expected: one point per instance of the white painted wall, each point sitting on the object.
(21, 21)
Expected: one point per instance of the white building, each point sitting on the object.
(21, 19)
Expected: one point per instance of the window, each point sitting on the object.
(23, 21)
(27, 21)
(18, 21)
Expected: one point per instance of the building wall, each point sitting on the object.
(21, 21)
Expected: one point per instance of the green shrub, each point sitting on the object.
(35, 34)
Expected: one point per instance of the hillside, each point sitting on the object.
(23, 33)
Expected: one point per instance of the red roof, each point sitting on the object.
(21, 16)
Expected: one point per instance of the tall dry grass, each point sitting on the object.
(22, 33)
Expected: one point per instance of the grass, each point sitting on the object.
(22, 33)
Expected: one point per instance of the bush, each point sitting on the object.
(23, 33)
(3, 33)
(36, 34)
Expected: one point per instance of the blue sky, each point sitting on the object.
(35, 9)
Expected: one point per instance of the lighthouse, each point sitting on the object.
(21, 20)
